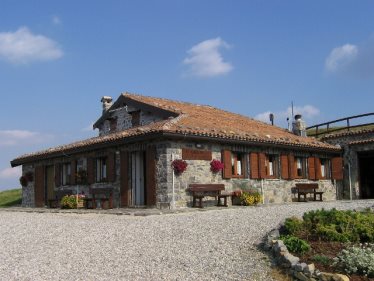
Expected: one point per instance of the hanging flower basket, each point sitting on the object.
(29, 176)
(216, 166)
(179, 166)
(23, 181)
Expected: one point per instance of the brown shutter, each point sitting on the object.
(318, 168)
(311, 168)
(73, 169)
(253, 161)
(291, 167)
(111, 167)
(244, 166)
(226, 159)
(337, 168)
(90, 170)
(284, 168)
(150, 166)
(39, 186)
(124, 162)
(57, 175)
(261, 165)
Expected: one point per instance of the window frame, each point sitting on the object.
(303, 167)
(234, 164)
(274, 166)
(101, 171)
(325, 168)
(65, 173)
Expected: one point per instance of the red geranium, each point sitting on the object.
(179, 166)
(216, 166)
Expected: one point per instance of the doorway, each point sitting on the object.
(366, 168)
(137, 190)
(50, 182)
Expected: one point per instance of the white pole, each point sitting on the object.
(263, 191)
(350, 181)
(172, 205)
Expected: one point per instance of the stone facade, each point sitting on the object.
(351, 160)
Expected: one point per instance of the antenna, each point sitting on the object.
(271, 117)
(292, 109)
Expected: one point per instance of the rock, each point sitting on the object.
(309, 269)
(333, 277)
(300, 276)
(300, 267)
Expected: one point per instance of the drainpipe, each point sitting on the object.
(172, 203)
(262, 191)
(350, 181)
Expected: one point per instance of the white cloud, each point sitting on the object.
(205, 59)
(56, 20)
(307, 111)
(341, 57)
(22, 47)
(11, 173)
(20, 137)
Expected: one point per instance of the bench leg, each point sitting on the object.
(201, 202)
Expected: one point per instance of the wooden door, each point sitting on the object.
(50, 184)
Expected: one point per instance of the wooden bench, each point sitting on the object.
(303, 189)
(104, 195)
(199, 191)
(56, 201)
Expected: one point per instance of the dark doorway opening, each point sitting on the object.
(366, 168)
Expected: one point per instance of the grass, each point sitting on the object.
(10, 197)
(323, 130)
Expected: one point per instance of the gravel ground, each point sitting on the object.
(211, 245)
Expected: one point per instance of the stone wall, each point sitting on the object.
(124, 120)
(198, 171)
(28, 196)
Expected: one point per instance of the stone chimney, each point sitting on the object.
(299, 126)
(107, 103)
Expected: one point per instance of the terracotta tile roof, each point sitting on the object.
(348, 133)
(361, 142)
(195, 120)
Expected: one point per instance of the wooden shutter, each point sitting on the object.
(284, 168)
(244, 166)
(253, 161)
(39, 189)
(261, 165)
(111, 167)
(124, 176)
(291, 167)
(226, 159)
(57, 175)
(90, 170)
(311, 168)
(150, 176)
(318, 168)
(73, 169)
(337, 168)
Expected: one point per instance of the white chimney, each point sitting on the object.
(299, 126)
(107, 103)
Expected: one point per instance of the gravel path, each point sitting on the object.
(211, 245)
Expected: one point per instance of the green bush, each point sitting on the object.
(321, 259)
(293, 225)
(357, 259)
(250, 198)
(295, 245)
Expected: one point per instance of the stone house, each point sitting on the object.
(139, 137)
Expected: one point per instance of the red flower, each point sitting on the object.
(216, 166)
(179, 166)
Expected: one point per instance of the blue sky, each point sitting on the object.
(57, 58)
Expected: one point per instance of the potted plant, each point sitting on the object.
(216, 166)
(23, 181)
(179, 166)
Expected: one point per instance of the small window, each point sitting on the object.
(237, 164)
(113, 124)
(101, 169)
(66, 173)
(300, 167)
(325, 168)
(135, 118)
(271, 165)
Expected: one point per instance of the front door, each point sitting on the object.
(137, 194)
(50, 182)
(366, 164)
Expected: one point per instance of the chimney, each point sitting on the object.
(107, 103)
(299, 126)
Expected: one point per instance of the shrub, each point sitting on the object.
(250, 198)
(295, 245)
(293, 225)
(321, 259)
(357, 259)
(70, 201)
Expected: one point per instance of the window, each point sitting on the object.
(237, 164)
(113, 124)
(135, 118)
(325, 168)
(66, 173)
(101, 169)
(300, 170)
(271, 165)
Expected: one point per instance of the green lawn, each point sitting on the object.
(10, 197)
